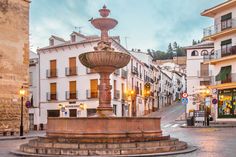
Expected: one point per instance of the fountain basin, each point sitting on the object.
(111, 127)
(102, 59)
(104, 23)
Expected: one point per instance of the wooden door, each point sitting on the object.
(53, 67)
(53, 91)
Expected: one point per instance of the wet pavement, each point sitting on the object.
(212, 142)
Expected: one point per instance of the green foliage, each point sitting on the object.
(172, 51)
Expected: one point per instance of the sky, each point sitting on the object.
(145, 24)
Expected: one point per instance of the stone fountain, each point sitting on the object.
(104, 60)
(103, 134)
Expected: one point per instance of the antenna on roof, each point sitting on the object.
(79, 27)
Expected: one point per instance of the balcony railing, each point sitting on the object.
(204, 73)
(91, 94)
(71, 95)
(71, 71)
(124, 97)
(116, 94)
(134, 70)
(124, 74)
(51, 73)
(229, 79)
(219, 27)
(90, 71)
(51, 96)
(117, 72)
(221, 53)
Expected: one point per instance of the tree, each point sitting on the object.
(194, 42)
(175, 45)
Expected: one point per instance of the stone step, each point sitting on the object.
(102, 151)
(103, 140)
(36, 143)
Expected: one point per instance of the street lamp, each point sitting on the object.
(22, 93)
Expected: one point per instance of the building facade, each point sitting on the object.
(67, 88)
(223, 60)
(34, 109)
(199, 78)
(14, 59)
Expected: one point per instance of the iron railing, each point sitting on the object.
(71, 71)
(51, 73)
(71, 95)
(51, 96)
(219, 27)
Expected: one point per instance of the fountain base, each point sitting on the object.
(111, 136)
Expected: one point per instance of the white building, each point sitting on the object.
(166, 88)
(198, 74)
(34, 112)
(150, 80)
(67, 88)
(178, 79)
(223, 34)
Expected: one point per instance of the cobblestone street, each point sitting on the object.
(212, 142)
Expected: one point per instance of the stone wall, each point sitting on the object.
(14, 61)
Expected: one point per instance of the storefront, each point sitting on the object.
(227, 103)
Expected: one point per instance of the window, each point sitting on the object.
(51, 42)
(30, 78)
(72, 66)
(72, 93)
(73, 38)
(53, 91)
(91, 112)
(204, 53)
(226, 46)
(226, 21)
(226, 103)
(53, 113)
(93, 88)
(115, 109)
(194, 53)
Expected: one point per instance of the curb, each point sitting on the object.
(17, 138)
(221, 126)
(190, 149)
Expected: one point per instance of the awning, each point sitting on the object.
(224, 72)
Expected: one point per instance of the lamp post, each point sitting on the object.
(22, 93)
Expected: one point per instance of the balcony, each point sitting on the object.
(204, 73)
(124, 74)
(91, 94)
(218, 28)
(231, 78)
(124, 97)
(134, 70)
(90, 71)
(117, 72)
(116, 94)
(137, 90)
(71, 71)
(222, 54)
(71, 95)
(148, 79)
(51, 96)
(51, 73)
